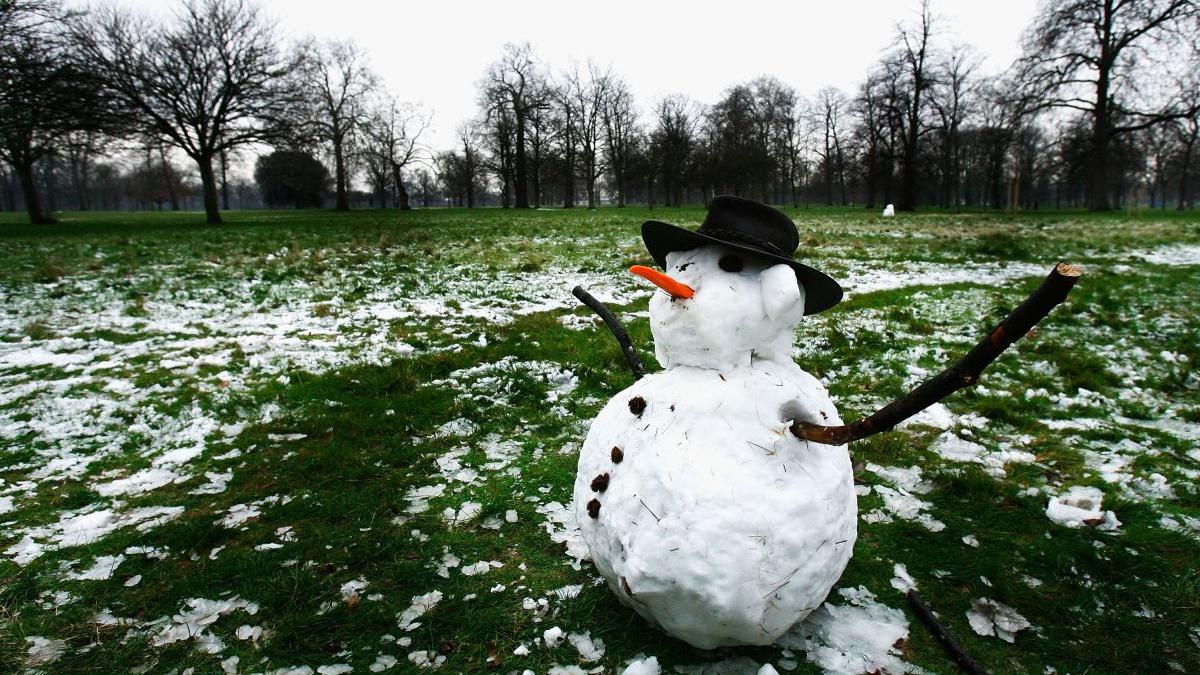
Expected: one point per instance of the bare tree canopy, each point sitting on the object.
(514, 83)
(1111, 60)
(337, 83)
(48, 93)
(101, 105)
(212, 80)
(392, 142)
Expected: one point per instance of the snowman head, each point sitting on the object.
(718, 307)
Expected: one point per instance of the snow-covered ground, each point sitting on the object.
(126, 397)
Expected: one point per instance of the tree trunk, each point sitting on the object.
(33, 204)
(1101, 123)
(402, 198)
(85, 188)
(9, 202)
(208, 180)
(569, 188)
(169, 177)
(591, 185)
(339, 170)
(1184, 170)
(224, 180)
(522, 183)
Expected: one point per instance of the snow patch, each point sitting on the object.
(857, 637)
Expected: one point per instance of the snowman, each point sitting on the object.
(700, 508)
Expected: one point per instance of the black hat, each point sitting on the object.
(750, 227)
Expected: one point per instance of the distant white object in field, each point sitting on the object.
(701, 509)
(889, 211)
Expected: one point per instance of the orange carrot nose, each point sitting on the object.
(676, 289)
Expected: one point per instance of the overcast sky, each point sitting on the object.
(433, 51)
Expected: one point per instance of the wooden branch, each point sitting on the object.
(953, 649)
(614, 324)
(962, 374)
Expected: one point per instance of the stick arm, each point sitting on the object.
(618, 330)
(964, 373)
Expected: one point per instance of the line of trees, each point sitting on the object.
(1102, 110)
(207, 84)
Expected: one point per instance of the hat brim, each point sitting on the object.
(820, 290)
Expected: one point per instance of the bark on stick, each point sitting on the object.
(962, 374)
(953, 649)
(614, 324)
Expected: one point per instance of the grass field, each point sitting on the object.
(334, 441)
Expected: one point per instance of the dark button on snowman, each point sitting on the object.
(701, 510)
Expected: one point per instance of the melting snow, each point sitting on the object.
(988, 617)
(43, 651)
(84, 527)
(1080, 506)
(858, 637)
(420, 605)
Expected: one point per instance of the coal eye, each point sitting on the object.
(731, 262)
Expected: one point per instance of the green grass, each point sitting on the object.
(230, 338)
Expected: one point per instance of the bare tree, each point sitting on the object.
(515, 81)
(773, 104)
(952, 98)
(831, 104)
(47, 94)
(621, 133)
(1188, 132)
(587, 91)
(1106, 58)
(499, 139)
(471, 164)
(912, 60)
(797, 140)
(392, 133)
(875, 134)
(673, 142)
(211, 80)
(339, 82)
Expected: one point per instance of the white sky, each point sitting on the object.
(433, 51)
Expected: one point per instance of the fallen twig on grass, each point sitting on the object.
(964, 373)
(614, 324)
(953, 649)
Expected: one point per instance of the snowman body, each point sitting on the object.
(701, 509)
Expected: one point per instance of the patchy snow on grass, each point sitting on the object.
(1181, 254)
(860, 636)
(988, 617)
(642, 666)
(563, 528)
(102, 568)
(43, 651)
(421, 604)
(481, 567)
(901, 579)
(1082, 506)
(907, 479)
(589, 649)
(955, 449)
(77, 528)
(192, 623)
(901, 504)
(937, 416)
